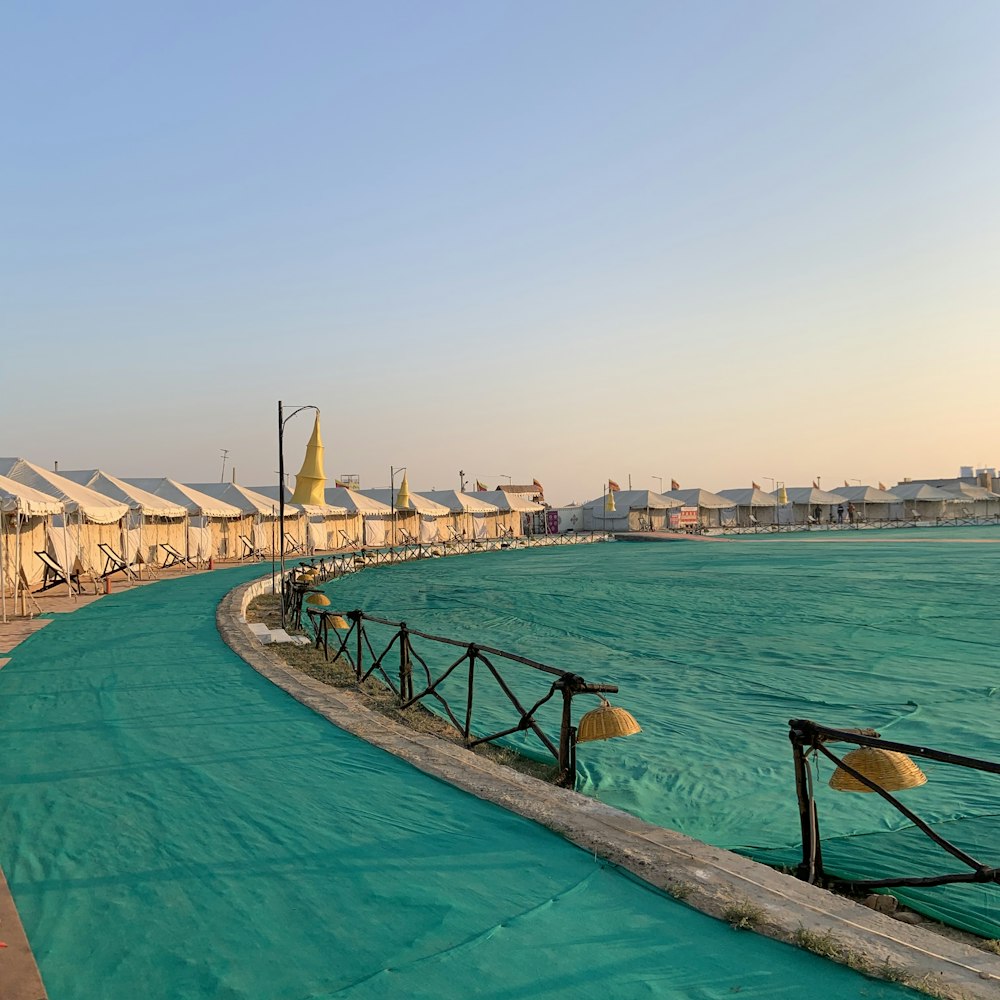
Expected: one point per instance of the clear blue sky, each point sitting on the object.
(568, 240)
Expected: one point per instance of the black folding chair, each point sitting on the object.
(174, 558)
(57, 573)
(113, 562)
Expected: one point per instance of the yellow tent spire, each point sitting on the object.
(403, 496)
(310, 483)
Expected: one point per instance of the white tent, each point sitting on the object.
(754, 507)
(870, 502)
(971, 500)
(471, 518)
(635, 510)
(919, 502)
(513, 507)
(23, 513)
(714, 510)
(326, 524)
(808, 505)
(151, 519)
(424, 520)
(90, 518)
(260, 515)
(218, 523)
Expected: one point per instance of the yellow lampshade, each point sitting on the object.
(605, 722)
(888, 769)
(320, 600)
(339, 621)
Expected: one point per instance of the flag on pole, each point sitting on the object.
(846, 483)
(816, 485)
(882, 486)
(674, 485)
(480, 487)
(613, 487)
(756, 486)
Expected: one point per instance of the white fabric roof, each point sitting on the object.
(456, 501)
(75, 498)
(247, 500)
(15, 496)
(508, 501)
(749, 497)
(418, 502)
(321, 509)
(352, 500)
(638, 500)
(701, 498)
(193, 501)
(867, 494)
(967, 491)
(811, 495)
(117, 489)
(920, 491)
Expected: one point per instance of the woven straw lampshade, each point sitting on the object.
(339, 621)
(320, 600)
(888, 769)
(605, 722)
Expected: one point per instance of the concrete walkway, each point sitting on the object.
(712, 880)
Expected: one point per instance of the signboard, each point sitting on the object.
(688, 517)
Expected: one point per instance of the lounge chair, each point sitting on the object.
(250, 550)
(113, 562)
(58, 574)
(174, 558)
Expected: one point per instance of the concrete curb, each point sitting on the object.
(712, 880)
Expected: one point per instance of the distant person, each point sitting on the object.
(840, 513)
(817, 512)
(851, 512)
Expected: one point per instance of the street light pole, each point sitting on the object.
(282, 420)
(659, 479)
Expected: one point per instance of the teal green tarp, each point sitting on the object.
(172, 826)
(716, 645)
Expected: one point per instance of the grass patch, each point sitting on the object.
(743, 915)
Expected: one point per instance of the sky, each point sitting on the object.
(566, 241)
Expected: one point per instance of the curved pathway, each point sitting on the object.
(172, 825)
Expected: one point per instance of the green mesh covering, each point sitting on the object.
(716, 645)
(172, 825)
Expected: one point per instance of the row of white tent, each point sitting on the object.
(77, 517)
(636, 510)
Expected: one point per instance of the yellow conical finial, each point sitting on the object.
(310, 483)
(403, 496)
(782, 496)
(609, 503)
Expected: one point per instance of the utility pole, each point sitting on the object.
(461, 480)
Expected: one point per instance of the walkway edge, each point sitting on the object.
(715, 881)
(19, 975)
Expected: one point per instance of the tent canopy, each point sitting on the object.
(355, 502)
(458, 502)
(812, 496)
(967, 491)
(505, 501)
(751, 497)
(920, 491)
(75, 498)
(320, 509)
(193, 501)
(117, 489)
(867, 494)
(418, 502)
(247, 500)
(15, 496)
(701, 498)
(638, 500)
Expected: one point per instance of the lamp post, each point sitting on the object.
(659, 479)
(393, 472)
(282, 420)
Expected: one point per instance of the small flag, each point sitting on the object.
(846, 483)
(756, 486)
(816, 485)
(613, 487)
(882, 486)
(480, 487)
(674, 485)
(341, 484)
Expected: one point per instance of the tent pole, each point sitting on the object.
(17, 552)
(3, 576)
